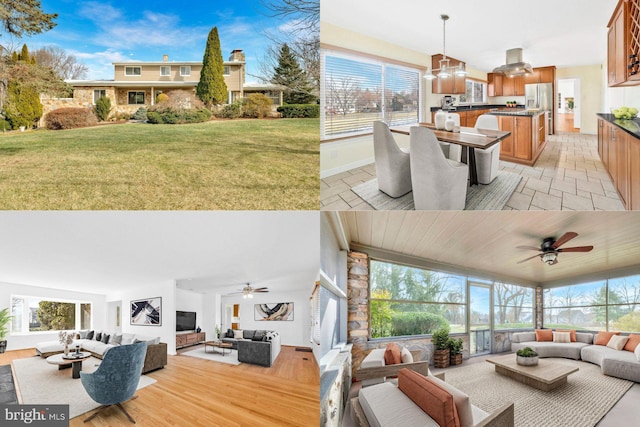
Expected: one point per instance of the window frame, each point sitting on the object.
(185, 68)
(132, 67)
(28, 299)
(484, 92)
(144, 97)
(103, 93)
(163, 67)
(226, 71)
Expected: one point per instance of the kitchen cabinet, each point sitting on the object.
(541, 75)
(634, 174)
(454, 85)
(623, 44)
(499, 85)
(601, 148)
(524, 138)
(525, 143)
(508, 87)
(507, 123)
(494, 86)
(518, 83)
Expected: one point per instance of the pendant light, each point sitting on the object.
(445, 71)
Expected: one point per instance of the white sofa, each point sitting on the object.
(96, 348)
(569, 350)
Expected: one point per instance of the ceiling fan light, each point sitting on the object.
(549, 258)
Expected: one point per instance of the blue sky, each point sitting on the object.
(99, 33)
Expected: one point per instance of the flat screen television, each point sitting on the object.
(185, 321)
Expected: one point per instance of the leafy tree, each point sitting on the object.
(23, 107)
(212, 89)
(103, 108)
(56, 315)
(25, 17)
(381, 314)
(630, 322)
(289, 74)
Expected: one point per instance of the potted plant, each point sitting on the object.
(455, 350)
(526, 357)
(4, 322)
(440, 339)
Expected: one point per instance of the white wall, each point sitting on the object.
(211, 314)
(293, 333)
(17, 342)
(191, 301)
(167, 331)
(591, 101)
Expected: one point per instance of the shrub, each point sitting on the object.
(299, 111)
(4, 125)
(23, 107)
(231, 111)
(455, 345)
(416, 323)
(121, 115)
(256, 106)
(162, 97)
(440, 338)
(171, 116)
(102, 108)
(526, 352)
(70, 118)
(141, 114)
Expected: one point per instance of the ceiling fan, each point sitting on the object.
(550, 248)
(248, 291)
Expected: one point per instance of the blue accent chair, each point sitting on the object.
(116, 379)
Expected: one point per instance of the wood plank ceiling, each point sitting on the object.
(486, 242)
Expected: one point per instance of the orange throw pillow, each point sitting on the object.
(603, 337)
(634, 340)
(573, 333)
(392, 354)
(544, 335)
(430, 397)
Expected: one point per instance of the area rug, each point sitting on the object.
(479, 197)
(582, 402)
(8, 394)
(42, 383)
(229, 358)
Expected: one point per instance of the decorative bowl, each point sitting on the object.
(527, 361)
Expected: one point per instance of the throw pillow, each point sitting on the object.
(562, 337)
(573, 333)
(430, 397)
(116, 339)
(632, 344)
(258, 336)
(237, 334)
(270, 335)
(135, 341)
(99, 336)
(617, 342)
(637, 353)
(247, 334)
(460, 399)
(406, 355)
(392, 354)
(544, 335)
(603, 337)
(127, 339)
(229, 333)
(83, 334)
(105, 338)
(90, 335)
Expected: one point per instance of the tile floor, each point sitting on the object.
(569, 175)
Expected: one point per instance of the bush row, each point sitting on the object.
(168, 115)
(254, 106)
(416, 323)
(70, 118)
(299, 111)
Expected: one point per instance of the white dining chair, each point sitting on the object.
(438, 183)
(487, 161)
(393, 168)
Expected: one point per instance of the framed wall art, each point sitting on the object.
(147, 312)
(273, 311)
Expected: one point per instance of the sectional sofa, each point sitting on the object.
(616, 363)
(258, 347)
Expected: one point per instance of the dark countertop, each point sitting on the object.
(517, 112)
(460, 108)
(632, 126)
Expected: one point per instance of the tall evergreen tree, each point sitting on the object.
(289, 74)
(24, 54)
(211, 89)
(19, 17)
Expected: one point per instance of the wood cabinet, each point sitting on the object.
(518, 83)
(541, 75)
(499, 85)
(494, 84)
(524, 138)
(507, 123)
(508, 87)
(634, 174)
(526, 142)
(454, 85)
(191, 338)
(623, 44)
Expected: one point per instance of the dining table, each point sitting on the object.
(469, 139)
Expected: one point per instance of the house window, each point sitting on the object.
(136, 97)
(476, 92)
(185, 70)
(98, 93)
(512, 306)
(227, 70)
(132, 71)
(409, 301)
(165, 70)
(34, 314)
(358, 91)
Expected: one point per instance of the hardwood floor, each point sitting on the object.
(198, 392)
(564, 123)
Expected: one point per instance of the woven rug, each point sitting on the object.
(479, 197)
(216, 355)
(8, 394)
(582, 402)
(42, 383)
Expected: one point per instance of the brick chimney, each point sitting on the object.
(237, 55)
(165, 57)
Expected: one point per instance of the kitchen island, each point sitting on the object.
(528, 135)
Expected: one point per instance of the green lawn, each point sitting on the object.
(245, 165)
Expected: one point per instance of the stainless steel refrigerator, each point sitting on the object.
(540, 96)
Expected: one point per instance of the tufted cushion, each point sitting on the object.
(431, 397)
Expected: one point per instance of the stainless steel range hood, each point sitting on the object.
(514, 66)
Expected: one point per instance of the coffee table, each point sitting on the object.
(547, 375)
(73, 361)
(219, 344)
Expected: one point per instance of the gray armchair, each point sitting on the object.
(487, 161)
(116, 379)
(438, 183)
(392, 163)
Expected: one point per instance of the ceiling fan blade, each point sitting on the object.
(577, 249)
(260, 289)
(533, 248)
(564, 239)
(527, 259)
(264, 291)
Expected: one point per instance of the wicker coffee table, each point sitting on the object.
(218, 344)
(73, 361)
(547, 375)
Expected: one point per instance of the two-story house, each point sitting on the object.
(138, 84)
